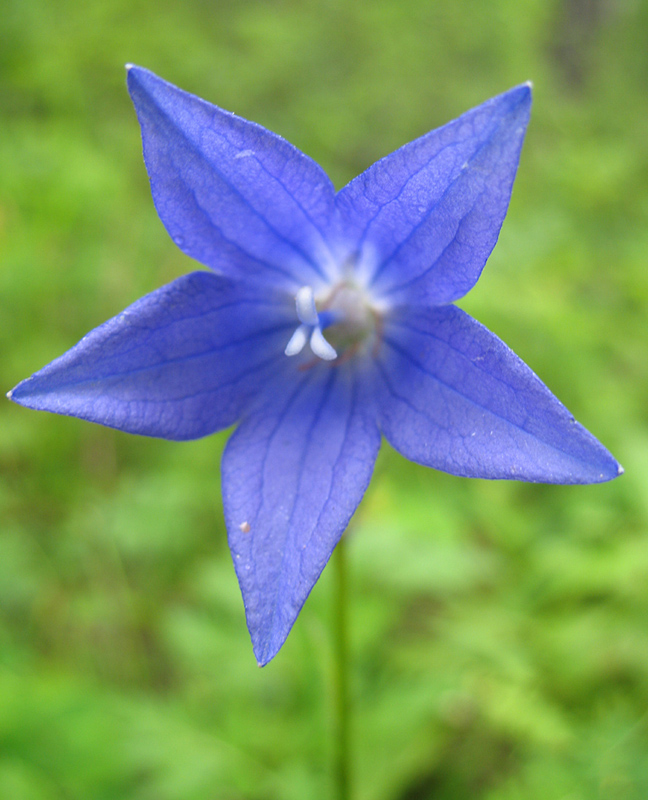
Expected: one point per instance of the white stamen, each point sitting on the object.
(320, 347)
(305, 302)
(297, 341)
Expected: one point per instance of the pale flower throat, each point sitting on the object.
(347, 316)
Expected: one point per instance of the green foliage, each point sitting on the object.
(500, 645)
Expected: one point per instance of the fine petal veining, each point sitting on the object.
(325, 321)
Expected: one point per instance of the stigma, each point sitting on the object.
(346, 315)
(310, 328)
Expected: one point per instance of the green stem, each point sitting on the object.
(341, 677)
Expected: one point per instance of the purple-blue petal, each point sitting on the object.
(293, 474)
(232, 195)
(182, 362)
(456, 398)
(425, 218)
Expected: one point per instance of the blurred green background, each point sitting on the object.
(499, 630)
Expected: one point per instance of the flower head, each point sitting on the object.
(326, 320)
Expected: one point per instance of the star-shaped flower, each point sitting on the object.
(327, 319)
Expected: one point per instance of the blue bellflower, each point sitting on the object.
(326, 320)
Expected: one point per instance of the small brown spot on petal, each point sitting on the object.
(245, 527)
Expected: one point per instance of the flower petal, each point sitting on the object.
(429, 214)
(293, 474)
(232, 195)
(456, 398)
(180, 363)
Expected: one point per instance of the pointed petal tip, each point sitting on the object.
(266, 643)
(17, 394)
(518, 98)
(21, 393)
(136, 77)
(132, 70)
(524, 90)
(614, 470)
(264, 655)
(601, 468)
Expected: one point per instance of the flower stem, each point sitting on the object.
(341, 678)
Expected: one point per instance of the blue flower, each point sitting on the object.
(327, 319)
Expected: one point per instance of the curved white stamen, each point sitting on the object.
(305, 302)
(297, 341)
(320, 347)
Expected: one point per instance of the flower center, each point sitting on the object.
(347, 316)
